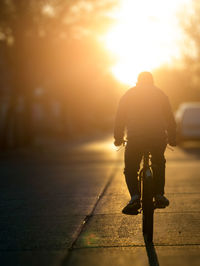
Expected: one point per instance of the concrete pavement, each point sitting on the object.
(45, 195)
(63, 207)
(113, 239)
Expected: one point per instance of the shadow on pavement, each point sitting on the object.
(151, 253)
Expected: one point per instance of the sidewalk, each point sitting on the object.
(110, 238)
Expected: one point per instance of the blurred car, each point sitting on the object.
(188, 121)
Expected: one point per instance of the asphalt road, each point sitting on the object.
(61, 206)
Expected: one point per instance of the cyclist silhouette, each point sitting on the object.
(145, 113)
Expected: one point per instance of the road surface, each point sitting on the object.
(61, 205)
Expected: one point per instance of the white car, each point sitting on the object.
(188, 121)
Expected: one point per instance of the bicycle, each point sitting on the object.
(147, 194)
(146, 189)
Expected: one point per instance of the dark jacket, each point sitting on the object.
(145, 113)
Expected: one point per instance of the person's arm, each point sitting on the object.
(170, 122)
(120, 122)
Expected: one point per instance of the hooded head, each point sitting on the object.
(145, 79)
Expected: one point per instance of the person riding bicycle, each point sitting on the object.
(145, 113)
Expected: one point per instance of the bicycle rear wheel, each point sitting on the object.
(148, 208)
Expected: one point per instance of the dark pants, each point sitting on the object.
(133, 156)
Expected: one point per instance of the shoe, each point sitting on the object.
(161, 201)
(133, 206)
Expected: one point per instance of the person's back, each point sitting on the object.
(144, 111)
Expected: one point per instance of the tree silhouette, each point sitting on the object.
(191, 26)
(36, 36)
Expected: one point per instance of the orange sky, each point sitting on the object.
(146, 35)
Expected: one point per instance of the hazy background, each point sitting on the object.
(57, 63)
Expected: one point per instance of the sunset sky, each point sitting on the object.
(145, 35)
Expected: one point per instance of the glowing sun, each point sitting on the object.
(146, 35)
